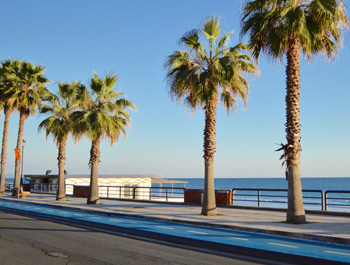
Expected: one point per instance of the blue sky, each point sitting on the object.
(133, 38)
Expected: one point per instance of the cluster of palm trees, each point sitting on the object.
(74, 111)
(200, 76)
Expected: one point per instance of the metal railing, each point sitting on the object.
(272, 197)
(334, 199)
(166, 194)
(338, 199)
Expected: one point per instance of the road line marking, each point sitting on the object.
(165, 227)
(197, 232)
(63, 212)
(337, 253)
(113, 220)
(95, 217)
(289, 246)
(238, 238)
(77, 214)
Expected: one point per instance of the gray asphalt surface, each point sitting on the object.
(25, 240)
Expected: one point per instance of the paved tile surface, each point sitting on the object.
(320, 226)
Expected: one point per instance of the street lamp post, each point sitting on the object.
(24, 141)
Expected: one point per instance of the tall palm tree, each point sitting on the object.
(106, 115)
(69, 98)
(29, 90)
(6, 100)
(290, 27)
(200, 77)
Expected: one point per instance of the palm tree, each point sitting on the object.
(288, 28)
(106, 115)
(6, 100)
(29, 90)
(200, 77)
(69, 98)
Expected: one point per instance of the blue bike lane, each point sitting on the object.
(248, 243)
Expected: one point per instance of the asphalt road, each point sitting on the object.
(26, 240)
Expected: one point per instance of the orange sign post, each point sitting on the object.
(18, 156)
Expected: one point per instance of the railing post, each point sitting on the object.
(166, 195)
(325, 202)
(150, 193)
(41, 188)
(258, 198)
(134, 193)
(322, 200)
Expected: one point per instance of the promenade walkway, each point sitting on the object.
(326, 228)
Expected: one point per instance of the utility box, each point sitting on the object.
(193, 196)
(81, 191)
(222, 197)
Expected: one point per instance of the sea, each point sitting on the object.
(323, 184)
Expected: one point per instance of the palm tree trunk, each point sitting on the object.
(22, 118)
(7, 112)
(295, 212)
(93, 197)
(61, 193)
(209, 204)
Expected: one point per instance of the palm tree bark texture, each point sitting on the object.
(295, 212)
(5, 134)
(61, 194)
(93, 197)
(209, 203)
(22, 118)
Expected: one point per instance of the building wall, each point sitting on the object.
(115, 187)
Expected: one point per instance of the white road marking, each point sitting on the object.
(77, 214)
(49, 210)
(95, 217)
(288, 246)
(197, 232)
(238, 238)
(164, 227)
(337, 253)
(113, 220)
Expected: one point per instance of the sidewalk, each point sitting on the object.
(326, 228)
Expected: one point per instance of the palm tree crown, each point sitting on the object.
(105, 114)
(69, 98)
(198, 75)
(317, 24)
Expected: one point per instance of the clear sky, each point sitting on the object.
(133, 38)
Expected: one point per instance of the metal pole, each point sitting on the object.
(24, 141)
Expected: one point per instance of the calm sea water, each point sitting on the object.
(269, 183)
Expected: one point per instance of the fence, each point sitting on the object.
(313, 199)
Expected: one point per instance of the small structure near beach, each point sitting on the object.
(136, 186)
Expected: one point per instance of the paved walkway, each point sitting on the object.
(322, 227)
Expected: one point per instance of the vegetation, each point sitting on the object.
(105, 115)
(288, 28)
(6, 103)
(200, 77)
(58, 125)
